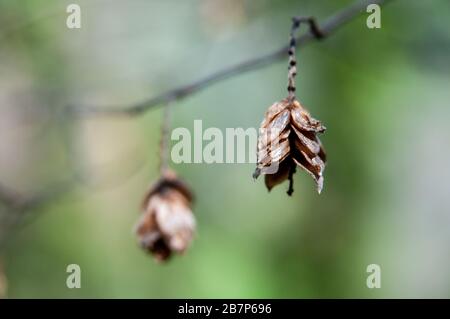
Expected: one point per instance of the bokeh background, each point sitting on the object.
(383, 95)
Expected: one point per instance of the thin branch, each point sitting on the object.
(9, 197)
(331, 25)
(19, 207)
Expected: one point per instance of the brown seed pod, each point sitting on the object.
(287, 139)
(167, 224)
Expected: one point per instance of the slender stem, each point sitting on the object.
(165, 139)
(292, 68)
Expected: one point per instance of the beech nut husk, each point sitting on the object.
(167, 224)
(287, 140)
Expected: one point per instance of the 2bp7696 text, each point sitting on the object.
(246, 308)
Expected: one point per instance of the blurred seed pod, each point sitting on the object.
(288, 139)
(167, 224)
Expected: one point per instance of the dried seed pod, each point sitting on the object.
(288, 138)
(288, 133)
(167, 224)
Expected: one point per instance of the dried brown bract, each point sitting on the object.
(167, 224)
(287, 139)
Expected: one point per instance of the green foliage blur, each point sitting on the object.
(383, 95)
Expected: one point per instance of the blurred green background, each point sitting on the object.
(383, 95)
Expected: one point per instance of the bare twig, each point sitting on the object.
(331, 25)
